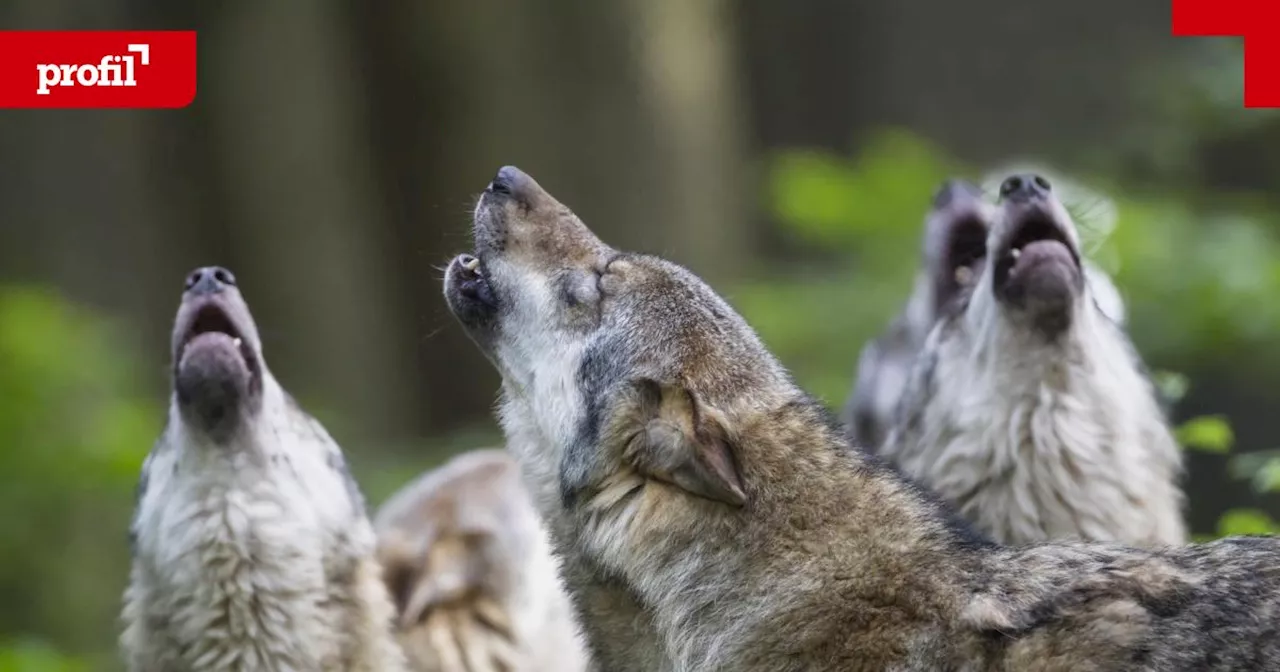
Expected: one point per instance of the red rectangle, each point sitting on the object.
(97, 69)
(1262, 71)
(1210, 18)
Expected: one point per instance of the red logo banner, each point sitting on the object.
(97, 69)
(1257, 21)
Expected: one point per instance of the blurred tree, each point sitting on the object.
(75, 430)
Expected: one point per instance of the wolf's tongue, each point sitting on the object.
(210, 337)
(1042, 251)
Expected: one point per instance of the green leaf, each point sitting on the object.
(1171, 384)
(1267, 479)
(812, 191)
(35, 656)
(1245, 521)
(1207, 433)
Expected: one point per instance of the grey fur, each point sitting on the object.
(952, 257)
(251, 549)
(948, 270)
(710, 503)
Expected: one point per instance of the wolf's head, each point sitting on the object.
(955, 244)
(218, 369)
(1034, 278)
(625, 370)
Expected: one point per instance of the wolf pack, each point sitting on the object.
(1001, 491)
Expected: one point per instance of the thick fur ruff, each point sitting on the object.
(885, 363)
(1036, 441)
(472, 574)
(255, 555)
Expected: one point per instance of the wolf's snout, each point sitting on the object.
(513, 182)
(209, 280)
(1025, 187)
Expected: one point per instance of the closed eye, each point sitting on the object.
(575, 291)
(603, 270)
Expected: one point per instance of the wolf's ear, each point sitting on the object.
(683, 443)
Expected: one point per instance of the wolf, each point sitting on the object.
(954, 250)
(677, 459)
(472, 574)
(251, 547)
(1027, 405)
(952, 259)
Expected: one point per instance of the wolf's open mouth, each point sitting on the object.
(472, 282)
(966, 250)
(211, 321)
(1034, 237)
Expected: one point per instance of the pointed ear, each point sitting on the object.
(446, 573)
(684, 443)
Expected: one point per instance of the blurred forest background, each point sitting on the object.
(784, 149)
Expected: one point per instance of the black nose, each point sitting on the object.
(953, 191)
(1024, 187)
(511, 181)
(209, 280)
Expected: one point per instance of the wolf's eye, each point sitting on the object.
(581, 289)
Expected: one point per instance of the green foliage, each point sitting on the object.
(832, 202)
(1207, 433)
(1171, 385)
(74, 431)
(1268, 477)
(1261, 468)
(30, 656)
(1246, 521)
(868, 211)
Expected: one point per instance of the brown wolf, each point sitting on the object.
(1027, 406)
(251, 547)
(679, 462)
(471, 571)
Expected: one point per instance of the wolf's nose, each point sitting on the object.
(511, 181)
(1025, 187)
(209, 280)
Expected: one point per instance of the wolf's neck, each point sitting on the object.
(276, 426)
(1085, 371)
(827, 528)
(1092, 349)
(1019, 421)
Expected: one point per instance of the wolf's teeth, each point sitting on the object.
(237, 342)
(964, 275)
(471, 264)
(1015, 253)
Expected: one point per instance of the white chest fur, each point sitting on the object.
(1060, 444)
(235, 565)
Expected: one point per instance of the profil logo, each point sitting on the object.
(97, 69)
(110, 71)
(1257, 21)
